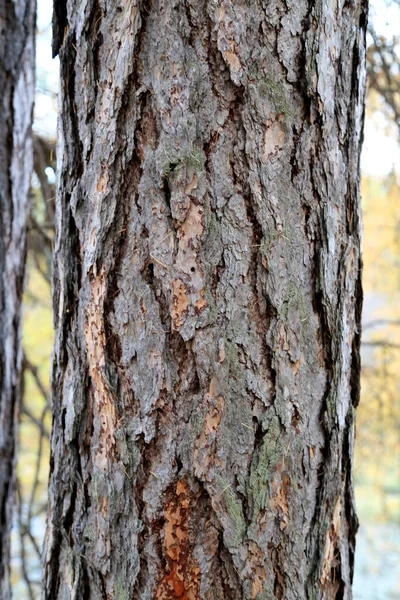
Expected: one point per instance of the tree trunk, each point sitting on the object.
(207, 300)
(17, 85)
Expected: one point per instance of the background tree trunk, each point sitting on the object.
(17, 85)
(207, 300)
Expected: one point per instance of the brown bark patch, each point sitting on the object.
(330, 578)
(201, 304)
(193, 227)
(188, 298)
(105, 415)
(192, 185)
(257, 569)
(280, 499)
(296, 366)
(256, 588)
(180, 302)
(232, 60)
(214, 416)
(205, 447)
(147, 136)
(182, 576)
(103, 181)
(273, 140)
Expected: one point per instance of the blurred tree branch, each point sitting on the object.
(383, 68)
(40, 248)
(380, 322)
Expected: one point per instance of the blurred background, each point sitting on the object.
(377, 460)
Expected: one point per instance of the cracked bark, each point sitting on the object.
(17, 26)
(207, 300)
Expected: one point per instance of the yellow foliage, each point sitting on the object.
(38, 342)
(377, 461)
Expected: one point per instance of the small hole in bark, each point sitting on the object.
(193, 269)
(179, 464)
(167, 194)
(296, 419)
(258, 432)
(148, 274)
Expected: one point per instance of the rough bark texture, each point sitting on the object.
(17, 83)
(207, 300)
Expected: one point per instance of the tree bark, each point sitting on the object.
(17, 85)
(207, 300)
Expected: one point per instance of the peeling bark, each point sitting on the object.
(17, 84)
(207, 300)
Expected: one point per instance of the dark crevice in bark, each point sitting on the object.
(263, 311)
(356, 343)
(351, 194)
(86, 494)
(195, 386)
(67, 66)
(167, 193)
(52, 591)
(341, 593)
(278, 587)
(140, 584)
(97, 42)
(208, 148)
(60, 22)
(319, 302)
(63, 411)
(302, 81)
(222, 85)
(315, 538)
(352, 186)
(113, 343)
(271, 315)
(119, 231)
(246, 504)
(4, 505)
(216, 278)
(145, 10)
(74, 281)
(227, 571)
(148, 273)
(349, 505)
(7, 197)
(130, 180)
(258, 432)
(139, 479)
(85, 581)
(103, 586)
(307, 215)
(69, 516)
(163, 303)
(94, 59)
(194, 29)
